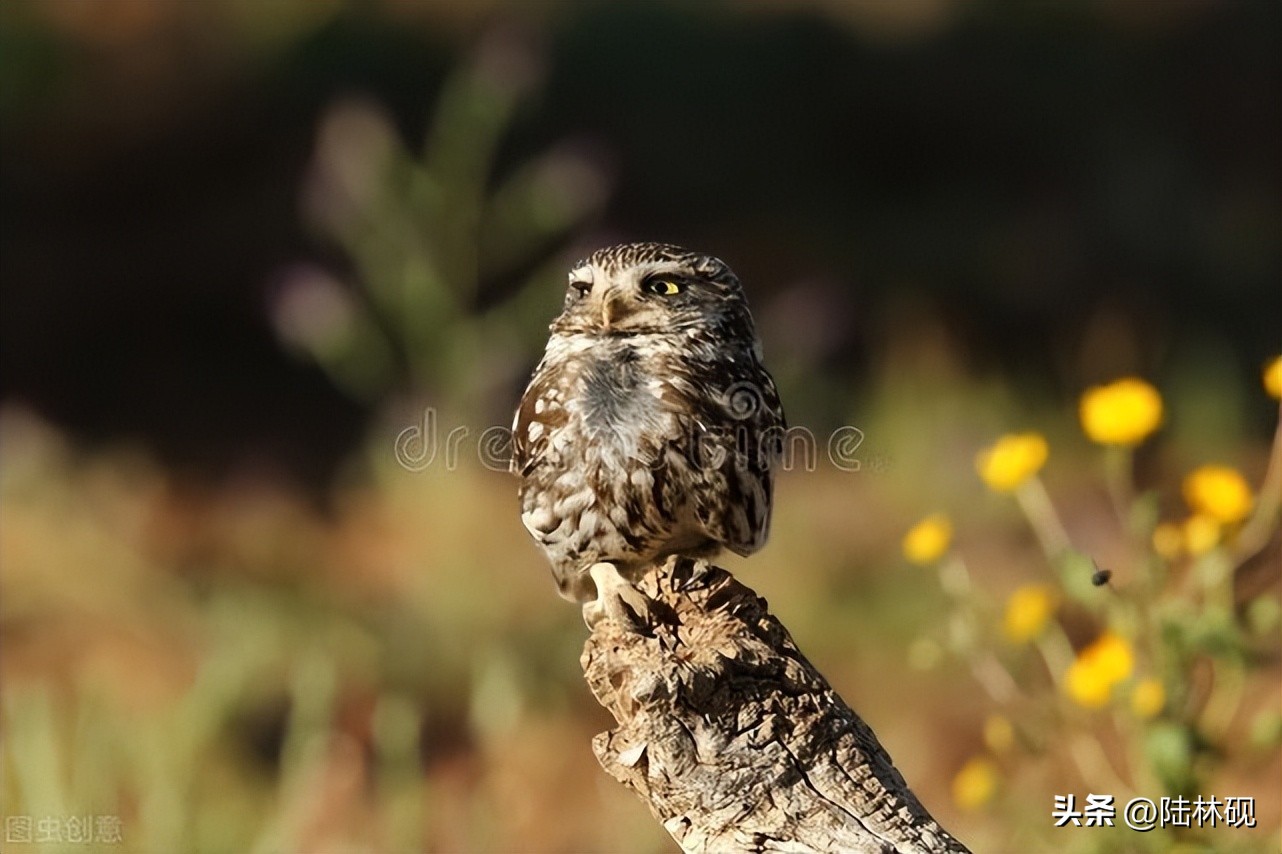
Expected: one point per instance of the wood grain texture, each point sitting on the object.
(731, 736)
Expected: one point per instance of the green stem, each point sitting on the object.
(954, 578)
(1225, 697)
(1255, 534)
(994, 678)
(1055, 650)
(1119, 478)
(1096, 768)
(1036, 504)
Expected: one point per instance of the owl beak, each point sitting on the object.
(614, 306)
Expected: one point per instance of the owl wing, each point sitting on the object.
(540, 414)
(740, 432)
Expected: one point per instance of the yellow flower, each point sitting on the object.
(975, 784)
(1168, 540)
(1124, 412)
(999, 735)
(928, 540)
(1219, 492)
(1148, 698)
(1111, 654)
(1028, 610)
(1085, 686)
(1090, 678)
(1201, 534)
(1273, 378)
(1012, 460)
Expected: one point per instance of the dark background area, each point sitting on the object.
(1023, 166)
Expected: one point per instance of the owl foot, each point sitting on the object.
(615, 599)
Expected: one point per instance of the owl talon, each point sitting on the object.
(616, 599)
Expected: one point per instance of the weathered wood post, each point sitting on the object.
(732, 737)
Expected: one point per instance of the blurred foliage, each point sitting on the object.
(1145, 677)
(232, 672)
(423, 234)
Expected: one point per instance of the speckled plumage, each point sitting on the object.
(650, 426)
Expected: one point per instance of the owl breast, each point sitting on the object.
(612, 456)
(616, 390)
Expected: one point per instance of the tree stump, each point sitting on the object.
(732, 737)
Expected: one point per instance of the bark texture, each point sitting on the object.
(731, 736)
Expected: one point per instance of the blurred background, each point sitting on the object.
(269, 272)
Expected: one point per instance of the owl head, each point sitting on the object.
(638, 288)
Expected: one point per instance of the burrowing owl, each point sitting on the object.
(650, 427)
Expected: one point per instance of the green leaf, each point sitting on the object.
(1076, 571)
(1169, 750)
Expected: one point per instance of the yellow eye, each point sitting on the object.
(663, 287)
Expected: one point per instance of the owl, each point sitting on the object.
(650, 428)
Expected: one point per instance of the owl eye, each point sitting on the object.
(664, 287)
(581, 288)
